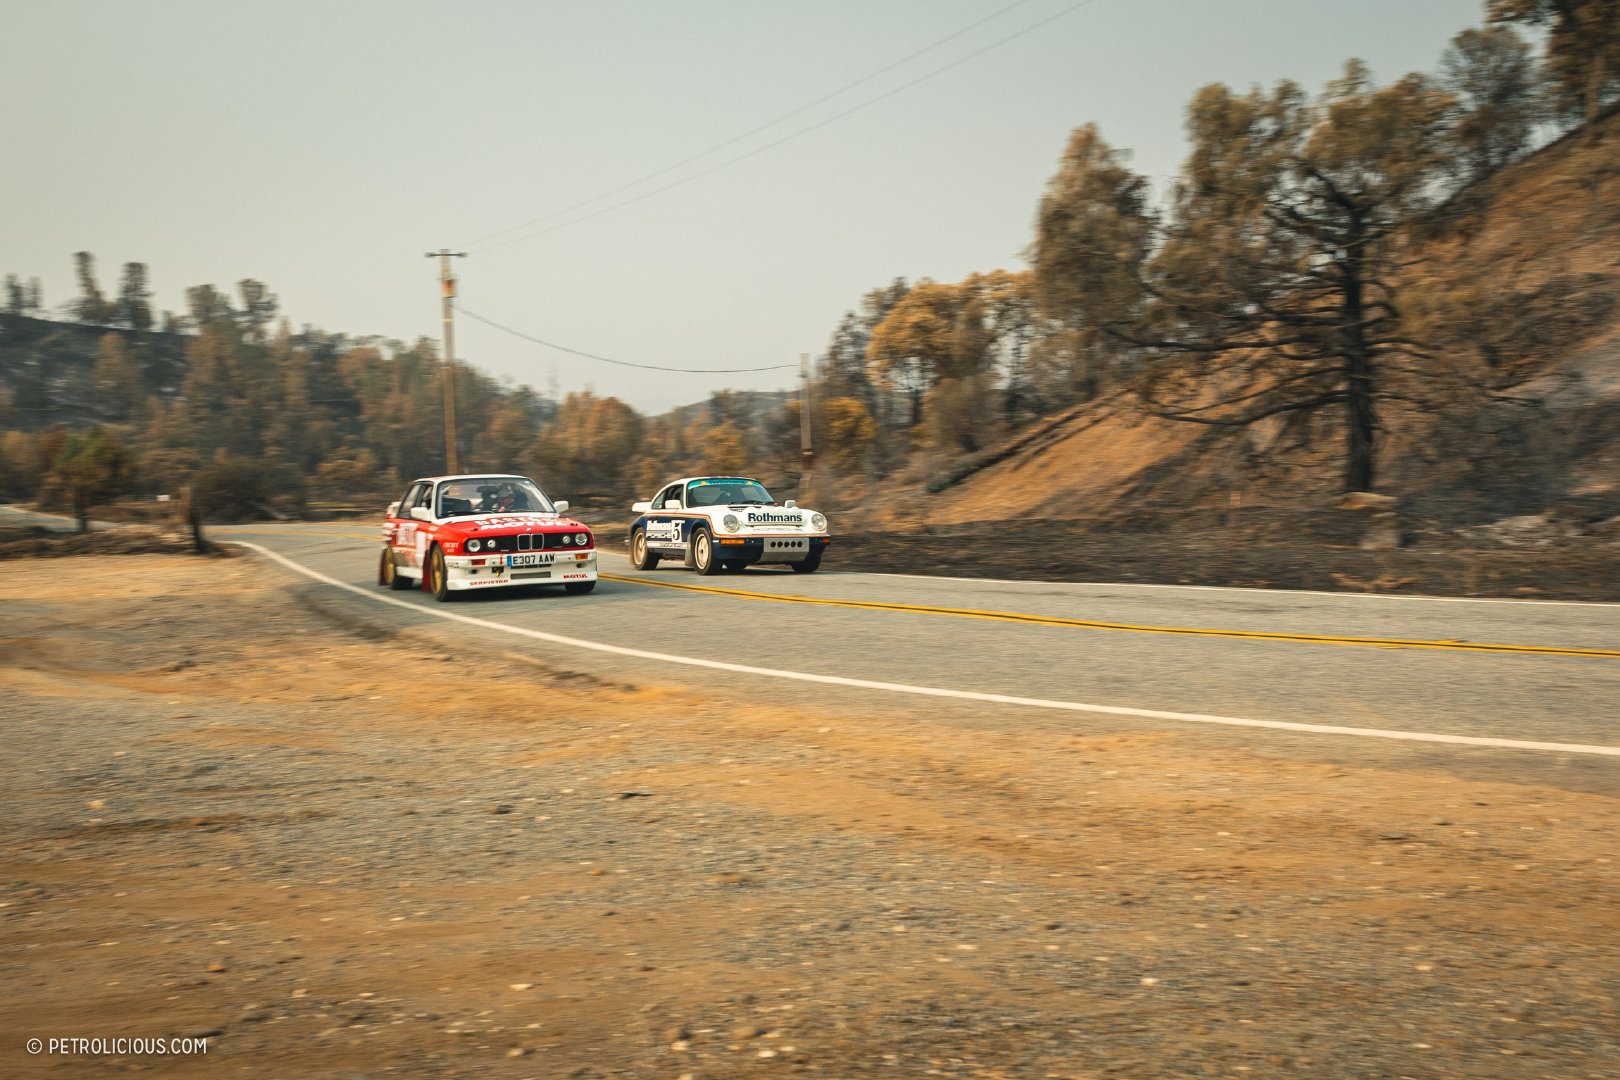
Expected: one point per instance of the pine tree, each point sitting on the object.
(1583, 47)
(92, 306)
(134, 307)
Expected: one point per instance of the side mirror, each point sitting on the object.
(791, 504)
(561, 505)
(393, 509)
(421, 513)
(672, 504)
(640, 507)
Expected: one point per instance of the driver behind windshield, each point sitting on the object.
(500, 499)
(734, 495)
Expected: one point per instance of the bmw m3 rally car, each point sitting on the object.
(715, 523)
(450, 534)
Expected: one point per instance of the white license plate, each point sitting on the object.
(533, 558)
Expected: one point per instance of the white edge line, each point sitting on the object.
(940, 692)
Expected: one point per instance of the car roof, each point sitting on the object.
(471, 476)
(716, 476)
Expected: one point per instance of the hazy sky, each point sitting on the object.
(323, 147)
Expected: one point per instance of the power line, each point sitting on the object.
(610, 360)
(794, 135)
(717, 147)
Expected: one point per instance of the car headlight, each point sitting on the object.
(568, 539)
(731, 523)
(818, 523)
(475, 545)
(582, 539)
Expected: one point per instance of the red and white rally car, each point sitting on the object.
(449, 534)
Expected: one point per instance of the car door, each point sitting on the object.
(401, 533)
(414, 547)
(664, 526)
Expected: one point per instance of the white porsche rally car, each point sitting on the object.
(715, 523)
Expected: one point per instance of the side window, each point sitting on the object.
(425, 496)
(409, 499)
(671, 492)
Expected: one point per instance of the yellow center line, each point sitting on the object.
(1095, 624)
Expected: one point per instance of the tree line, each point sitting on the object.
(256, 415)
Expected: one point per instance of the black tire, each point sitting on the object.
(579, 588)
(437, 576)
(640, 557)
(811, 563)
(388, 572)
(701, 553)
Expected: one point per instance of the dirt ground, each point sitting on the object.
(333, 848)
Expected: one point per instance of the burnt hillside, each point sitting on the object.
(47, 370)
(1518, 289)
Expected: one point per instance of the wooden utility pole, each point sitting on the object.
(448, 282)
(806, 451)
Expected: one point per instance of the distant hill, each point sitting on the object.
(47, 368)
(756, 404)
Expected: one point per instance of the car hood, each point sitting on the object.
(504, 523)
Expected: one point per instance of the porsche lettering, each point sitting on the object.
(663, 531)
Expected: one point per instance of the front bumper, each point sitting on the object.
(465, 572)
(773, 548)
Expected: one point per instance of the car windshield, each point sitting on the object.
(727, 491)
(490, 495)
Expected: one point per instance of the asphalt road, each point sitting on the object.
(1173, 650)
(16, 516)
